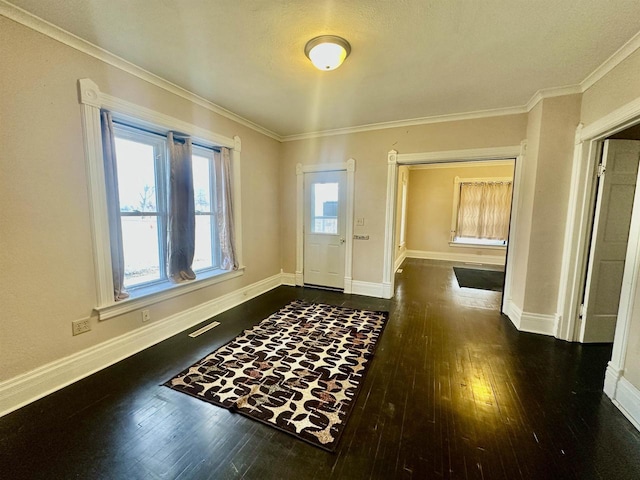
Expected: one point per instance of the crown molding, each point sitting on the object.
(29, 20)
(497, 112)
(552, 92)
(613, 61)
(40, 25)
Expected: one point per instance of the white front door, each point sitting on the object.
(614, 204)
(324, 228)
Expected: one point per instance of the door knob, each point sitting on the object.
(342, 241)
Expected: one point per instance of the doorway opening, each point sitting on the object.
(456, 215)
(612, 204)
(395, 251)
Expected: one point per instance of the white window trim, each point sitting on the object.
(456, 202)
(92, 100)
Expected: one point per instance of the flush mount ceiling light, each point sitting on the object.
(327, 52)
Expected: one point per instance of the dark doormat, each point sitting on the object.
(480, 279)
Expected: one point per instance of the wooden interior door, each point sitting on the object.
(614, 204)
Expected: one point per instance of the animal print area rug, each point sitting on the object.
(298, 370)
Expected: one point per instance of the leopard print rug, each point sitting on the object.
(299, 370)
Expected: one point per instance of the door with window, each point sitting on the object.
(324, 228)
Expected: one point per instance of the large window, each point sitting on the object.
(143, 183)
(482, 210)
(165, 203)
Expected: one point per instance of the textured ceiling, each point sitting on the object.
(410, 58)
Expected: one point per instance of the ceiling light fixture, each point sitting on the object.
(327, 52)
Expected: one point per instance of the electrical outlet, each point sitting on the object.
(81, 326)
(146, 316)
(360, 222)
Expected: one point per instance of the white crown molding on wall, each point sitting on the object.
(612, 62)
(69, 39)
(36, 23)
(497, 112)
(552, 92)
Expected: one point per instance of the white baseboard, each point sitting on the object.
(623, 394)
(288, 279)
(369, 289)
(400, 259)
(530, 322)
(26, 388)
(457, 257)
(611, 377)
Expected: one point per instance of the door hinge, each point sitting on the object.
(582, 311)
(601, 170)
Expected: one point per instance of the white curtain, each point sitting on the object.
(224, 211)
(483, 210)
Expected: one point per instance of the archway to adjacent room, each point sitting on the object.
(513, 153)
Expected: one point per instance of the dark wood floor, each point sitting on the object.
(454, 391)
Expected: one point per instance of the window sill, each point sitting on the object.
(477, 245)
(164, 291)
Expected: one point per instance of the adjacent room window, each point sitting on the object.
(482, 210)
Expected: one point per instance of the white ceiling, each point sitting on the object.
(410, 58)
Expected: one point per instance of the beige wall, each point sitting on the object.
(370, 149)
(543, 204)
(617, 88)
(614, 90)
(520, 258)
(430, 207)
(45, 237)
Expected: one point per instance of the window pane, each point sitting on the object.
(324, 208)
(203, 256)
(136, 176)
(140, 242)
(202, 184)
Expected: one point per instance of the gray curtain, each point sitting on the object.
(182, 219)
(224, 211)
(113, 206)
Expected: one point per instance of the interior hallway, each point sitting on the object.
(454, 391)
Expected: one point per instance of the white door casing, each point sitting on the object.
(612, 218)
(394, 159)
(588, 138)
(349, 167)
(324, 228)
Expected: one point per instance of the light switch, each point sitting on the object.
(360, 222)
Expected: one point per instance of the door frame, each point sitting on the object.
(588, 141)
(350, 167)
(395, 159)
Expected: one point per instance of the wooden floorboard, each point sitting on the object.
(454, 391)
